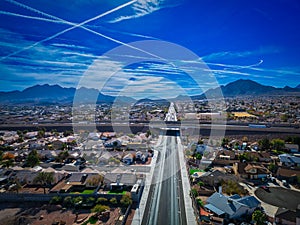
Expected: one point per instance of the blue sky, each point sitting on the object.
(41, 43)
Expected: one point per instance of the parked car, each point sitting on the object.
(266, 188)
(273, 179)
(285, 183)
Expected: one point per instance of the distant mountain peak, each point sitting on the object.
(56, 94)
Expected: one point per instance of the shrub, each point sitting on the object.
(100, 208)
(56, 200)
(126, 200)
(113, 201)
(102, 200)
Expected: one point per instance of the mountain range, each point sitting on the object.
(47, 94)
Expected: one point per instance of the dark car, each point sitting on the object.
(266, 188)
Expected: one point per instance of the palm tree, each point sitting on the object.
(16, 186)
(44, 179)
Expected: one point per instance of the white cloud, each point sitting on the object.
(145, 7)
(231, 54)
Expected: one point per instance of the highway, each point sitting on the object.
(204, 129)
(166, 202)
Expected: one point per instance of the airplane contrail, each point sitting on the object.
(30, 17)
(74, 25)
(236, 66)
(68, 29)
(60, 21)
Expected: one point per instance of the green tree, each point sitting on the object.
(41, 133)
(198, 156)
(278, 144)
(194, 192)
(245, 156)
(225, 142)
(7, 163)
(259, 217)
(55, 200)
(67, 133)
(64, 146)
(284, 117)
(200, 202)
(63, 155)
(126, 200)
(102, 200)
(90, 200)
(200, 183)
(264, 144)
(113, 201)
(68, 201)
(44, 179)
(148, 133)
(16, 186)
(77, 201)
(272, 167)
(33, 159)
(236, 146)
(100, 208)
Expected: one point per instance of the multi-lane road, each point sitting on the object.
(166, 204)
(204, 129)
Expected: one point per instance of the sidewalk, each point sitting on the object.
(139, 212)
(189, 210)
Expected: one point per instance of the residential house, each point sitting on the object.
(128, 159)
(201, 148)
(136, 145)
(141, 156)
(104, 158)
(215, 177)
(138, 155)
(75, 182)
(108, 135)
(260, 156)
(293, 148)
(287, 217)
(231, 207)
(288, 174)
(31, 134)
(122, 181)
(25, 176)
(113, 144)
(57, 145)
(94, 136)
(226, 154)
(250, 170)
(289, 160)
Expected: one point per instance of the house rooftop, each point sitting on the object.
(220, 204)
